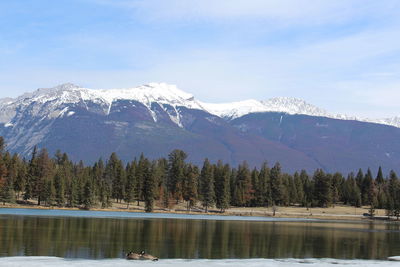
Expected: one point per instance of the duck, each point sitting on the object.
(133, 256)
(145, 256)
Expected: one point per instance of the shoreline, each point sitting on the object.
(294, 213)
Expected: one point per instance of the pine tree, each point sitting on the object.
(88, 195)
(31, 176)
(276, 185)
(149, 185)
(393, 203)
(262, 194)
(372, 198)
(115, 177)
(7, 194)
(130, 183)
(243, 191)
(190, 185)
(6, 185)
(20, 181)
(308, 189)
(299, 188)
(380, 184)
(176, 167)
(49, 193)
(41, 174)
(365, 187)
(207, 193)
(59, 188)
(322, 188)
(222, 187)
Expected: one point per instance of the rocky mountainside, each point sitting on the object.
(157, 118)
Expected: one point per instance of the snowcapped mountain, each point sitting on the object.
(57, 101)
(163, 94)
(287, 105)
(157, 118)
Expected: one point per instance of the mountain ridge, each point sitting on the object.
(170, 94)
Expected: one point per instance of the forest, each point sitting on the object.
(165, 182)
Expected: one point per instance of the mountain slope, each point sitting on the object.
(157, 118)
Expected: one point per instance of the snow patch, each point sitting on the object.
(52, 99)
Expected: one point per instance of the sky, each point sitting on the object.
(341, 55)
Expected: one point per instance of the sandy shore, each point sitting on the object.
(338, 212)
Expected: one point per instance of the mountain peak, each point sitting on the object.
(58, 88)
(293, 105)
(169, 95)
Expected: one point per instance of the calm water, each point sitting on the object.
(38, 234)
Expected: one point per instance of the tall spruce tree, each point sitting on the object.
(149, 185)
(322, 188)
(243, 190)
(59, 186)
(130, 183)
(41, 175)
(176, 167)
(262, 193)
(276, 185)
(190, 185)
(222, 175)
(207, 193)
(380, 185)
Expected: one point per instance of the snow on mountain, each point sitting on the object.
(234, 110)
(287, 105)
(55, 99)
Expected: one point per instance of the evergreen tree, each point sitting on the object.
(140, 177)
(207, 193)
(41, 174)
(322, 188)
(393, 203)
(31, 176)
(176, 167)
(222, 175)
(292, 192)
(88, 195)
(190, 185)
(115, 177)
(130, 183)
(380, 184)
(6, 185)
(149, 185)
(243, 191)
(365, 188)
(20, 181)
(7, 194)
(254, 182)
(379, 177)
(262, 193)
(299, 188)
(276, 185)
(49, 193)
(372, 198)
(59, 188)
(308, 189)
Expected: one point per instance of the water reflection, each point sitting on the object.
(109, 238)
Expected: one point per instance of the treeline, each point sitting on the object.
(166, 182)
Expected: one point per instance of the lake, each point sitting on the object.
(99, 235)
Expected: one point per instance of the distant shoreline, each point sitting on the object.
(338, 213)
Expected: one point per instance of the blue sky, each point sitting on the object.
(342, 55)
